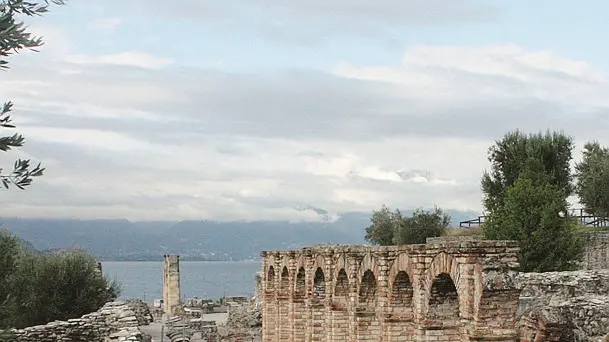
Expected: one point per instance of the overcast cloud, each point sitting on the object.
(130, 134)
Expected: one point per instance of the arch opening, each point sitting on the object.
(319, 284)
(341, 289)
(368, 289)
(300, 288)
(270, 278)
(285, 279)
(443, 310)
(401, 294)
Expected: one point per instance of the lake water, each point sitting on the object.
(204, 279)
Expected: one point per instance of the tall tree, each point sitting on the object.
(421, 225)
(392, 228)
(549, 153)
(14, 38)
(383, 225)
(592, 175)
(524, 194)
(530, 215)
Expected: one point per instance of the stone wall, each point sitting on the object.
(446, 291)
(596, 255)
(564, 306)
(115, 321)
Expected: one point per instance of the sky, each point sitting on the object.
(264, 109)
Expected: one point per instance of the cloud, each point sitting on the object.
(311, 22)
(104, 24)
(127, 58)
(138, 137)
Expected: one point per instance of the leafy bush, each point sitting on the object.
(45, 287)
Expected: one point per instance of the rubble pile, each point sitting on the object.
(114, 322)
(566, 306)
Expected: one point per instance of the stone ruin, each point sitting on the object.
(451, 289)
(114, 322)
(445, 291)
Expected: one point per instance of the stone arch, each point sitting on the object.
(319, 283)
(284, 282)
(443, 309)
(340, 302)
(270, 278)
(341, 287)
(300, 284)
(298, 304)
(368, 288)
(401, 295)
(318, 305)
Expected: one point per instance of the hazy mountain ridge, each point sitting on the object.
(198, 240)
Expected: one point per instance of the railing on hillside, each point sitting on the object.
(580, 214)
(477, 222)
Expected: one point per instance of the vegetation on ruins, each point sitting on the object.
(525, 196)
(37, 288)
(392, 228)
(592, 175)
(14, 38)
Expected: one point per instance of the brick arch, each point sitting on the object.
(284, 280)
(444, 300)
(401, 263)
(270, 276)
(442, 263)
(341, 277)
(401, 289)
(368, 263)
(320, 262)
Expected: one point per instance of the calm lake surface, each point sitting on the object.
(204, 279)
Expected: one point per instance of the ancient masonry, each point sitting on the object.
(440, 291)
(596, 256)
(171, 284)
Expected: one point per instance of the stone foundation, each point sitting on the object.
(115, 321)
(564, 306)
(596, 255)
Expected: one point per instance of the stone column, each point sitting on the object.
(171, 284)
(383, 294)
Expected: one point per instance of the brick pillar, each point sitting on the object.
(310, 274)
(329, 274)
(292, 269)
(353, 260)
(278, 269)
(420, 297)
(383, 295)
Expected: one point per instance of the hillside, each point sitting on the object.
(200, 240)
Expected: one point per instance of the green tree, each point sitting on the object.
(549, 153)
(61, 286)
(383, 225)
(592, 175)
(421, 225)
(392, 228)
(14, 38)
(530, 214)
(9, 250)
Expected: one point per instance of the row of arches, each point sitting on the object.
(443, 312)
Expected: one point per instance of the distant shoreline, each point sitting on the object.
(181, 259)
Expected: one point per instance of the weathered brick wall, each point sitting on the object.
(445, 291)
(596, 255)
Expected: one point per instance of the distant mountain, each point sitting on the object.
(194, 240)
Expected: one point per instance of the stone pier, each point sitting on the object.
(440, 291)
(171, 284)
